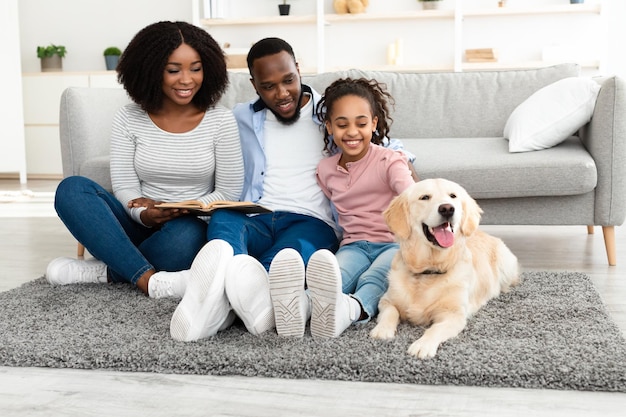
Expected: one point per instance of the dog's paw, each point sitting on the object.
(383, 332)
(423, 349)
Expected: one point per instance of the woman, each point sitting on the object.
(173, 143)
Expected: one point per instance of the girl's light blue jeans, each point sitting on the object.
(99, 221)
(262, 236)
(364, 266)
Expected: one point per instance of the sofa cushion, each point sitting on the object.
(97, 168)
(487, 170)
(551, 114)
(239, 90)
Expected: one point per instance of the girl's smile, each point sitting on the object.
(351, 125)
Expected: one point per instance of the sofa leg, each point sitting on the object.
(609, 243)
(589, 230)
(80, 250)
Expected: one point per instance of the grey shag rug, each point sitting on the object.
(550, 332)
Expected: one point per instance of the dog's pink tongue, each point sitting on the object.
(444, 235)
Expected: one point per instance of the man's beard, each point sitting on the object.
(290, 120)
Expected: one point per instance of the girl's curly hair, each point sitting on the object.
(372, 91)
(141, 66)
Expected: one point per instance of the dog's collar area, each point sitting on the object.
(430, 272)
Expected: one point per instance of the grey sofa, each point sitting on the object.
(453, 123)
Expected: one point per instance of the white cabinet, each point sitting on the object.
(525, 33)
(42, 96)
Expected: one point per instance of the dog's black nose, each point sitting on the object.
(446, 210)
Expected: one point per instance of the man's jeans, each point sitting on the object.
(262, 236)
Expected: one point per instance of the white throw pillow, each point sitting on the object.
(551, 114)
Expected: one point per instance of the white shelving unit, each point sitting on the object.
(584, 8)
(563, 32)
(432, 40)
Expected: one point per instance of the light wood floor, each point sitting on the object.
(27, 244)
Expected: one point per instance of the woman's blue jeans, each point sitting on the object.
(99, 221)
(262, 236)
(364, 267)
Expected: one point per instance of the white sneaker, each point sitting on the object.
(63, 271)
(248, 291)
(204, 308)
(333, 311)
(292, 307)
(168, 284)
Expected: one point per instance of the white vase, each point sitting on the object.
(430, 5)
(51, 63)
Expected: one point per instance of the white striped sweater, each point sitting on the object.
(203, 164)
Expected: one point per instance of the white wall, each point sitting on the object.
(615, 12)
(87, 27)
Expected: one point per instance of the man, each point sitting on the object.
(281, 140)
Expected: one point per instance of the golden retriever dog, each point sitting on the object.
(446, 268)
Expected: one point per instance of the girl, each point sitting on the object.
(360, 180)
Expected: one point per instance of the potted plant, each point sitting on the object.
(429, 4)
(51, 57)
(283, 9)
(111, 57)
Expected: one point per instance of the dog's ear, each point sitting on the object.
(397, 217)
(471, 216)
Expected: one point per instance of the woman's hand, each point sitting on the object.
(151, 216)
(142, 202)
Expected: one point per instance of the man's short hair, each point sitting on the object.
(268, 46)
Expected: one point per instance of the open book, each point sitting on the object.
(199, 208)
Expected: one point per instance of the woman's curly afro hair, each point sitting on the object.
(141, 66)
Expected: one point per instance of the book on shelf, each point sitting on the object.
(481, 55)
(206, 209)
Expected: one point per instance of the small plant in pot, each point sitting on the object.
(51, 57)
(111, 57)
